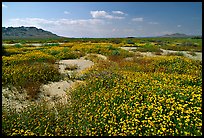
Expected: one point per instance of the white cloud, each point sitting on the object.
(153, 23)
(178, 25)
(4, 6)
(66, 12)
(137, 19)
(63, 27)
(98, 14)
(103, 14)
(118, 12)
(92, 27)
(38, 22)
(44, 22)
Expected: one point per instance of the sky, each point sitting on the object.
(106, 19)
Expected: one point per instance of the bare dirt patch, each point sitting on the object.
(197, 56)
(188, 54)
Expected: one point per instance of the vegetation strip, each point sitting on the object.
(151, 96)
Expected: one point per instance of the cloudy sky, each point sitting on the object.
(106, 19)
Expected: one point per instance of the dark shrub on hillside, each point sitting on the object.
(130, 42)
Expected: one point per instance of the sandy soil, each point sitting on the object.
(57, 91)
(13, 99)
(186, 54)
(97, 55)
(165, 52)
(81, 63)
(128, 48)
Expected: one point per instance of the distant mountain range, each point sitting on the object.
(35, 33)
(26, 33)
(176, 35)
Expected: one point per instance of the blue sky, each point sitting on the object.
(106, 19)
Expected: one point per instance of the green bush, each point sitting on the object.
(116, 41)
(18, 45)
(54, 52)
(110, 47)
(130, 42)
(116, 52)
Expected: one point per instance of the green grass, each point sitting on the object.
(148, 48)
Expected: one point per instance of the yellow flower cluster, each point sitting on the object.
(142, 103)
(22, 132)
(55, 48)
(100, 48)
(140, 44)
(31, 56)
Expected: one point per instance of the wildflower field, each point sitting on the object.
(145, 96)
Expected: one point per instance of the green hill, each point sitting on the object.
(26, 33)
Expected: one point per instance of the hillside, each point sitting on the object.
(26, 33)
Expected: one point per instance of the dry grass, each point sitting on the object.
(71, 67)
(138, 54)
(115, 58)
(192, 53)
(158, 53)
(32, 89)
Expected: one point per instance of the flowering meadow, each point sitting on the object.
(145, 96)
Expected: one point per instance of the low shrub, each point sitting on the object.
(18, 46)
(149, 48)
(175, 54)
